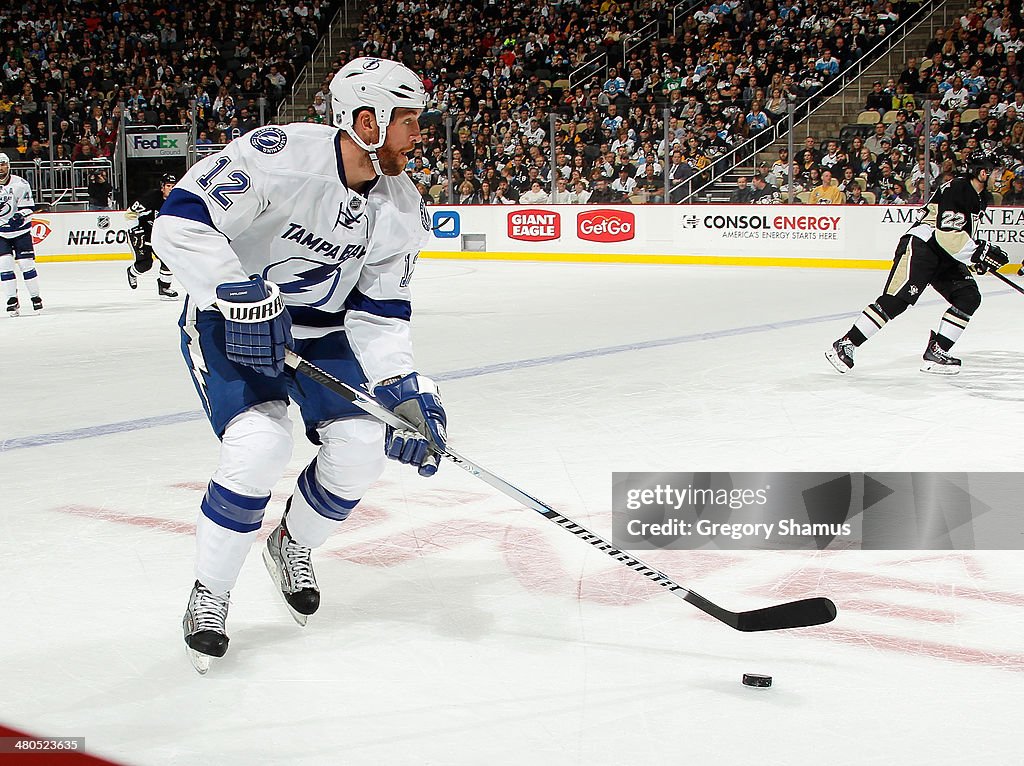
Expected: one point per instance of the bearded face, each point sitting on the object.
(402, 136)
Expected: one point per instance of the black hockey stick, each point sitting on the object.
(1009, 281)
(795, 614)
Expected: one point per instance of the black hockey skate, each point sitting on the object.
(937, 360)
(840, 355)
(133, 277)
(165, 292)
(291, 567)
(37, 303)
(204, 626)
(12, 307)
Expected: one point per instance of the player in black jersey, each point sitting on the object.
(145, 209)
(939, 250)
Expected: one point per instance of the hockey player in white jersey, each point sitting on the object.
(302, 236)
(16, 252)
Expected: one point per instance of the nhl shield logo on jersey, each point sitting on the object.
(424, 218)
(269, 140)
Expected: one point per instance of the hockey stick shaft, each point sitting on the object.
(1008, 281)
(795, 614)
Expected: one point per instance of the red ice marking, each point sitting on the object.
(400, 547)
(105, 514)
(883, 609)
(833, 581)
(921, 648)
(361, 516)
(530, 557)
(970, 564)
(195, 486)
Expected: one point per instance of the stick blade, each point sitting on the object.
(795, 614)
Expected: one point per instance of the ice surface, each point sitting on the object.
(459, 628)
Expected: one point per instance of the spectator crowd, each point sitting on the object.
(86, 59)
(500, 69)
(607, 72)
(970, 76)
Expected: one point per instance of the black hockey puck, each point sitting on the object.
(756, 679)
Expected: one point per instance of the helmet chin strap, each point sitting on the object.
(370, 150)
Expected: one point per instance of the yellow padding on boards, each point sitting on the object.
(85, 257)
(705, 260)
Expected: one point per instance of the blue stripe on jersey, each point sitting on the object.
(231, 510)
(309, 317)
(322, 500)
(337, 155)
(341, 169)
(392, 309)
(185, 204)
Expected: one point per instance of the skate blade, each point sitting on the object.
(168, 298)
(836, 362)
(939, 369)
(268, 562)
(200, 661)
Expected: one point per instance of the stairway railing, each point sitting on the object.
(925, 13)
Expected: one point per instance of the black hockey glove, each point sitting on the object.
(987, 257)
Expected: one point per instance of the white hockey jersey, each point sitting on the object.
(15, 197)
(274, 203)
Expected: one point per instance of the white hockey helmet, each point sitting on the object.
(5, 168)
(377, 84)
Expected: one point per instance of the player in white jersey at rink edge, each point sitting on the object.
(16, 208)
(301, 236)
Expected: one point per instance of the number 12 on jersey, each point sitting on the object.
(236, 182)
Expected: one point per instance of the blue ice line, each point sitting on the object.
(42, 440)
(59, 437)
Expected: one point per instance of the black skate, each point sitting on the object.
(291, 568)
(165, 292)
(840, 355)
(37, 303)
(204, 626)
(937, 360)
(12, 307)
(133, 277)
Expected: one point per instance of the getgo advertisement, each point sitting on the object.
(606, 225)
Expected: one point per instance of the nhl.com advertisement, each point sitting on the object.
(102, 233)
